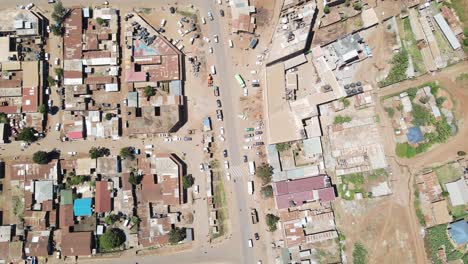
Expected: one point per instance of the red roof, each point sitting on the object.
(135, 76)
(30, 99)
(66, 216)
(103, 198)
(75, 135)
(301, 185)
(326, 195)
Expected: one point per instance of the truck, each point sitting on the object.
(251, 167)
(240, 80)
(210, 80)
(250, 187)
(254, 214)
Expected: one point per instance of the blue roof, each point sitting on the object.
(459, 232)
(82, 207)
(414, 135)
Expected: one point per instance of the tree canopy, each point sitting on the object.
(271, 221)
(27, 134)
(176, 235)
(97, 152)
(41, 157)
(149, 91)
(264, 172)
(127, 153)
(111, 239)
(134, 179)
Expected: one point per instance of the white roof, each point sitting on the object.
(448, 32)
(458, 192)
(112, 87)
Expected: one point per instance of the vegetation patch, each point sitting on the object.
(437, 238)
(339, 119)
(398, 71)
(410, 45)
(359, 254)
(446, 174)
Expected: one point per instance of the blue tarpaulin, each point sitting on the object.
(414, 135)
(459, 232)
(82, 207)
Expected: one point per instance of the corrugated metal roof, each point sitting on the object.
(452, 39)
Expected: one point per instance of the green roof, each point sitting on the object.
(66, 197)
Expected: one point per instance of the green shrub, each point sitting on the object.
(390, 111)
(398, 71)
(27, 134)
(127, 153)
(271, 221)
(359, 254)
(111, 239)
(326, 9)
(267, 191)
(176, 235)
(421, 115)
(264, 172)
(339, 119)
(41, 157)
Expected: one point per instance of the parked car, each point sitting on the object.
(259, 143)
(215, 37)
(57, 127)
(226, 164)
(250, 243)
(221, 13)
(225, 153)
(210, 15)
(249, 129)
(187, 139)
(216, 91)
(248, 135)
(201, 167)
(258, 132)
(221, 130)
(218, 103)
(219, 114)
(245, 158)
(257, 237)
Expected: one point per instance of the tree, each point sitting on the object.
(440, 100)
(424, 99)
(283, 146)
(149, 91)
(111, 219)
(42, 109)
(390, 111)
(59, 72)
(359, 254)
(27, 134)
(135, 220)
(267, 191)
(127, 153)
(421, 116)
(357, 6)
(97, 152)
(100, 21)
(399, 107)
(461, 153)
(111, 239)
(345, 102)
(59, 12)
(74, 180)
(264, 172)
(41, 157)
(134, 179)
(326, 9)
(176, 235)
(56, 29)
(4, 118)
(187, 181)
(108, 116)
(271, 221)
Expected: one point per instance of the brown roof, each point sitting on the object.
(99, 80)
(73, 31)
(76, 243)
(37, 243)
(72, 74)
(103, 197)
(126, 186)
(10, 83)
(96, 54)
(66, 216)
(30, 99)
(91, 41)
(32, 171)
(37, 220)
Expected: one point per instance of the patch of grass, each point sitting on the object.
(447, 173)
(352, 184)
(398, 71)
(410, 45)
(459, 211)
(436, 238)
(405, 150)
(339, 119)
(220, 201)
(359, 254)
(462, 77)
(461, 10)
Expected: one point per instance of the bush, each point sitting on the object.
(27, 134)
(264, 172)
(111, 239)
(398, 71)
(345, 102)
(271, 221)
(440, 101)
(149, 91)
(326, 9)
(50, 80)
(108, 116)
(357, 6)
(390, 111)
(75, 180)
(443, 130)
(97, 152)
(424, 99)
(187, 181)
(339, 119)
(359, 254)
(41, 157)
(404, 150)
(127, 153)
(42, 109)
(100, 21)
(134, 179)
(267, 191)
(59, 72)
(176, 235)
(4, 118)
(461, 153)
(111, 219)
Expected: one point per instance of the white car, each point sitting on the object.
(258, 137)
(48, 29)
(246, 92)
(57, 127)
(46, 56)
(231, 45)
(226, 164)
(207, 40)
(47, 91)
(248, 140)
(203, 20)
(163, 22)
(29, 6)
(210, 50)
(215, 37)
(167, 139)
(221, 130)
(50, 102)
(221, 138)
(250, 242)
(201, 167)
(56, 61)
(228, 176)
(192, 39)
(196, 188)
